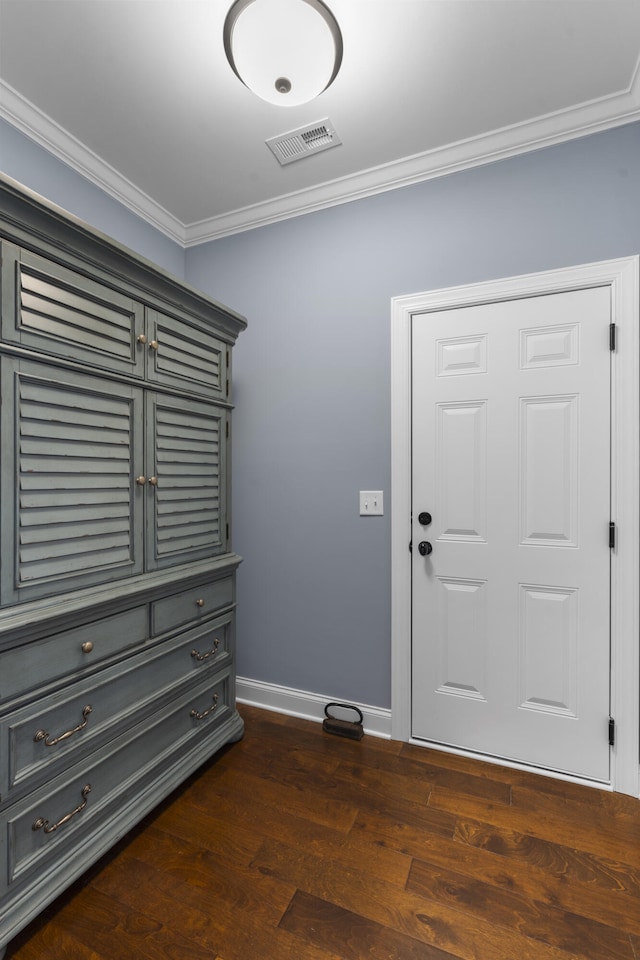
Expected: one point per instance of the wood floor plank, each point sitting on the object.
(50, 943)
(614, 909)
(224, 837)
(618, 843)
(465, 782)
(332, 812)
(266, 822)
(531, 918)
(635, 943)
(327, 925)
(468, 782)
(236, 928)
(558, 859)
(425, 920)
(210, 875)
(99, 923)
(405, 838)
(610, 820)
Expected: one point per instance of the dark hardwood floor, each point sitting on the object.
(296, 845)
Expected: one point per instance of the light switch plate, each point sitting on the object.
(371, 503)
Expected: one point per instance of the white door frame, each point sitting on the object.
(623, 278)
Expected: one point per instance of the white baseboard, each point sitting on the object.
(309, 706)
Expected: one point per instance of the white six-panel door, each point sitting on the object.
(511, 458)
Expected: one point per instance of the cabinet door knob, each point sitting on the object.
(200, 603)
(87, 646)
(153, 344)
(153, 481)
(142, 339)
(141, 481)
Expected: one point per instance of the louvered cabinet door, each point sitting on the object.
(51, 309)
(71, 508)
(185, 355)
(187, 481)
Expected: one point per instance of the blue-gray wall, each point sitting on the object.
(312, 371)
(30, 164)
(312, 376)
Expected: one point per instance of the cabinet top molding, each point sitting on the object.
(35, 222)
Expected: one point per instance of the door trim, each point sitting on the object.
(622, 277)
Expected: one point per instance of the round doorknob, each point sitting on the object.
(424, 548)
(424, 518)
(141, 481)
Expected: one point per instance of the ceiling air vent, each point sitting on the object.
(301, 143)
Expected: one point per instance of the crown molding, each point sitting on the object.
(36, 125)
(572, 123)
(593, 117)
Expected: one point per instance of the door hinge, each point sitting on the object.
(410, 546)
(612, 732)
(227, 529)
(226, 430)
(612, 535)
(612, 336)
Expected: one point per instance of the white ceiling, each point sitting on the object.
(138, 96)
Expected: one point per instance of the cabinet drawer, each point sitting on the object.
(35, 665)
(87, 805)
(63, 313)
(190, 606)
(42, 738)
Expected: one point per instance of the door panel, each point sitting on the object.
(511, 456)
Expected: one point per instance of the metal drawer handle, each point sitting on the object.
(43, 735)
(87, 646)
(49, 828)
(200, 603)
(205, 713)
(205, 656)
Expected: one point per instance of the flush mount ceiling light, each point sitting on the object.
(285, 51)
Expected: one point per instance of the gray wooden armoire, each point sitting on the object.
(117, 580)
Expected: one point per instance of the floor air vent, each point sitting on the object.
(301, 143)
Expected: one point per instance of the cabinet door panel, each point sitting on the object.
(74, 500)
(63, 313)
(187, 356)
(186, 452)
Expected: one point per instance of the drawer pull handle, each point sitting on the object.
(200, 603)
(41, 823)
(205, 656)
(205, 713)
(87, 646)
(43, 735)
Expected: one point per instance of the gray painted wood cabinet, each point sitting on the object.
(117, 579)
